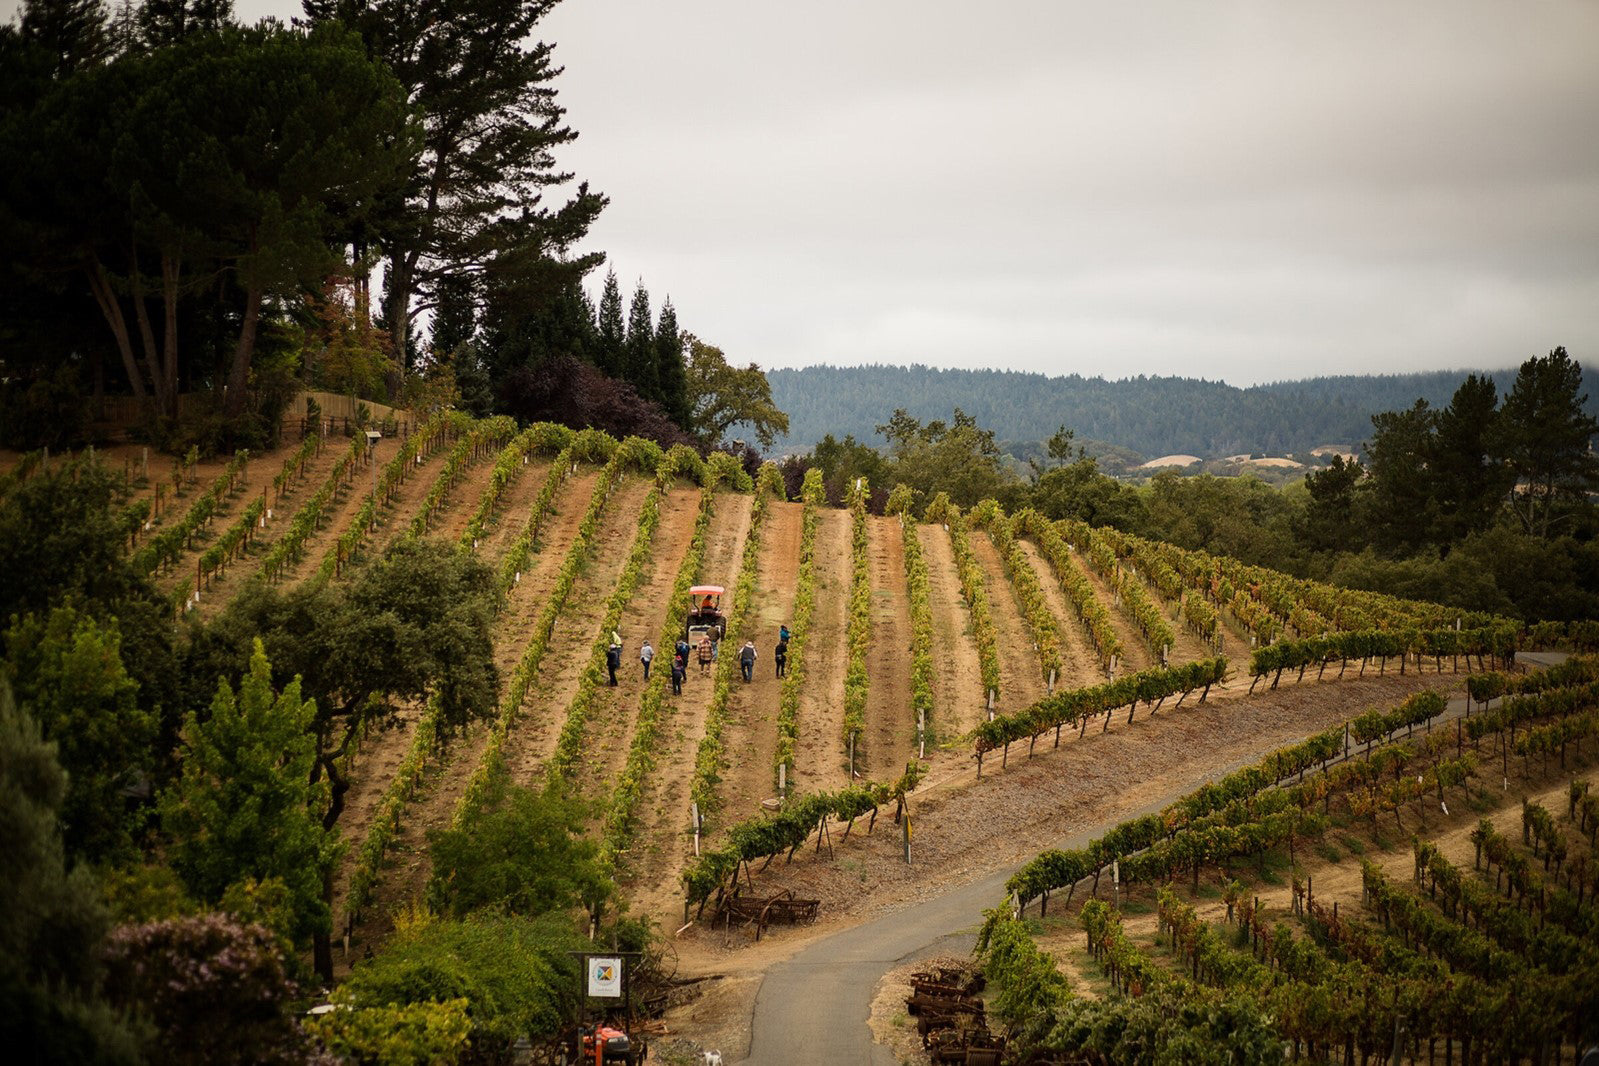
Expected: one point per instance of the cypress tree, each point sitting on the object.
(670, 372)
(608, 352)
(639, 350)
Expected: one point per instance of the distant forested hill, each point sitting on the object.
(1152, 416)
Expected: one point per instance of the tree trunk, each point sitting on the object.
(239, 372)
(106, 298)
(171, 269)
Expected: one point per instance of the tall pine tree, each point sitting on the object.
(670, 372)
(638, 351)
(164, 22)
(76, 33)
(610, 330)
(477, 201)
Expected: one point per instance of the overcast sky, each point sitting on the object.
(1245, 191)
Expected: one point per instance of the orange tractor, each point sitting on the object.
(705, 614)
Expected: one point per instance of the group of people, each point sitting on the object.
(706, 654)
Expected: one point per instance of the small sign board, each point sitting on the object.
(604, 976)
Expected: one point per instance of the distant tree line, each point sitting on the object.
(1483, 502)
(1127, 421)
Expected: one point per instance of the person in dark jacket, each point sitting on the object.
(746, 660)
(613, 660)
(679, 671)
(780, 656)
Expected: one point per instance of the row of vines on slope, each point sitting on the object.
(1125, 582)
(856, 679)
(921, 604)
(941, 510)
(1094, 616)
(680, 460)
(432, 435)
(814, 497)
(471, 446)
(709, 759)
(1023, 579)
(621, 810)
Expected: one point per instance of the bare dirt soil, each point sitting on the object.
(1136, 654)
(819, 749)
(576, 630)
(1021, 674)
(958, 696)
(664, 845)
(750, 736)
(1079, 663)
(609, 736)
(890, 723)
(442, 790)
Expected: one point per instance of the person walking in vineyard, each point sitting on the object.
(780, 656)
(613, 658)
(707, 654)
(746, 660)
(646, 655)
(679, 671)
(682, 648)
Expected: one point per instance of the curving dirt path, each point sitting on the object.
(750, 736)
(1079, 666)
(1021, 680)
(819, 749)
(969, 837)
(890, 726)
(615, 713)
(663, 841)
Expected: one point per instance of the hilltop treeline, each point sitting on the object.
(1153, 416)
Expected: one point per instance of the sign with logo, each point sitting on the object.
(605, 976)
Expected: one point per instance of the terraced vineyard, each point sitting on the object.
(933, 629)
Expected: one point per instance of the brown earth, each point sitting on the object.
(819, 748)
(615, 712)
(1078, 662)
(577, 628)
(444, 785)
(890, 724)
(664, 844)
(511, 513)
(1136, 654)
(1021, 677)
(750, 736)
(958, 696)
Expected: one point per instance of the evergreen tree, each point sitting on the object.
(1544, 435)
(164, 22)
(475, 201)
(455, 317)
(51, 921)
(68, 674)
(671, 373)
(76, 33)
(1467, 483)
(609, 331)
(638, 351)
(1401, 516)
(244, 807)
